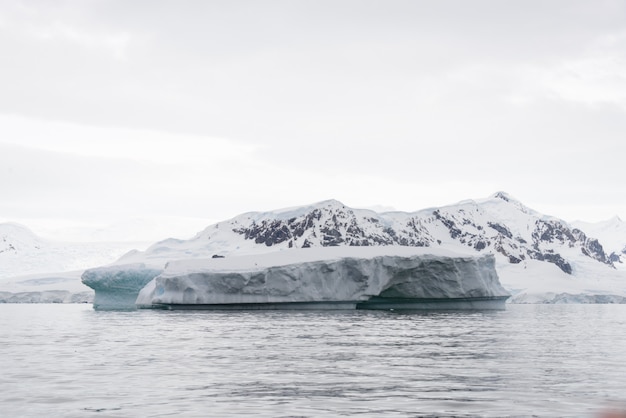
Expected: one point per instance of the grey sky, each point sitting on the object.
(118, 109)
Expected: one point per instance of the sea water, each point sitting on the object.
(530, 360)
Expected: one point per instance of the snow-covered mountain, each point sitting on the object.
(498, 225)
(539, 257)
(15, 238)
(611, 234)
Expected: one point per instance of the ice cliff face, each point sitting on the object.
(117, 287)
(324, 275)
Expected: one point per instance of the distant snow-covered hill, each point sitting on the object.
(33, 269)
(15, 238)
(22, 253)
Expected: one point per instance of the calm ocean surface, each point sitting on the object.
(530, 360)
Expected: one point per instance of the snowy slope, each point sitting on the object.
(498, 225)
(538, 257)
(535, 253)
(33, 269)
(24, 253)
(612, 234)
(327, 223)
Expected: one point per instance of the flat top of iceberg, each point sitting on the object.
(249, 262)
(325, 274)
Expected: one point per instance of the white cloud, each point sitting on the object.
(207, 109)
(595, 76)
(61, 23)
(115, 43)
(114, 143)
(594, 81)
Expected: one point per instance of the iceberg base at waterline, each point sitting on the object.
(418, 304)
(329, 278)
(407, 304)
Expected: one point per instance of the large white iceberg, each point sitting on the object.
(337, 277)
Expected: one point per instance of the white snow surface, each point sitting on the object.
(537, 282)
(33, 269)
(325, 274)
(24, 253)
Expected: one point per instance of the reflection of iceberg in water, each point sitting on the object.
(315, 278)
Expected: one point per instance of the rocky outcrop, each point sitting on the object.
(467, 224)
(333, 225)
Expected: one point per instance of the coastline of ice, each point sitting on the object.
(60, 287)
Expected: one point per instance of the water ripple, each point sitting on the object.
(548, 361)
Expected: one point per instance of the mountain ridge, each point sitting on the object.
(498, 224)
(538, 257)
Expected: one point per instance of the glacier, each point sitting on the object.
(388, 277)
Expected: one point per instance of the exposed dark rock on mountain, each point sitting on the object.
(473, 224)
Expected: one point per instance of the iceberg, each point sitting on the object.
(58, 287)
(117, 286)
(46, 296)
(329, 278)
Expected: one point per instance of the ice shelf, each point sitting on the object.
(329, 278)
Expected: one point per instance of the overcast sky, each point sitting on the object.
(114, 110)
